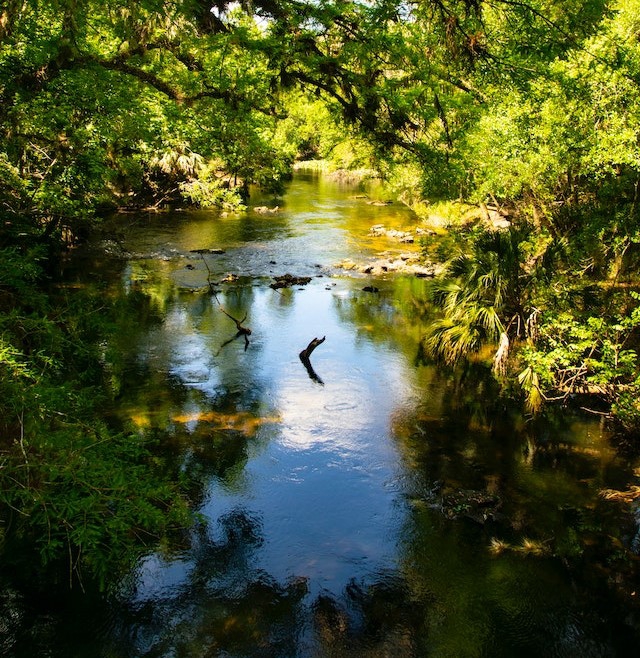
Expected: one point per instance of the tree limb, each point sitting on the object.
(305, 355)
(242, 331)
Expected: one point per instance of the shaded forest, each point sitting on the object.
(467, 110)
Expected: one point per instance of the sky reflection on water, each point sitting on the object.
(325, 526)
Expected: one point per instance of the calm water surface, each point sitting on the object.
(384, 510)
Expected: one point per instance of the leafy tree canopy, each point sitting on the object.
(530, 106)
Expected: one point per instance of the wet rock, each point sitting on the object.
(207, 251)
(288, 280)
(476, 504)
(347, 264)
(230, 278)
(405, 263)
(371, 289)
(265, 210)
(404, 237)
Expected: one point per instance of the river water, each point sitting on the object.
(377, 508)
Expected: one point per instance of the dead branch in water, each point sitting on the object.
(305, 358)
(212, 290)
(306, 352)
(242, 330)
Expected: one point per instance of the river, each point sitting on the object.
(374, 506)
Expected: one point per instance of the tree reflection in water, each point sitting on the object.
(225, 606)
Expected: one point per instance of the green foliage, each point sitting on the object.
(532, 107)
(591, 356)
(85, 496)
(209, 191)
(485, 297)
(75, 493)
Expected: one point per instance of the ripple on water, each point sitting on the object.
(341, 406)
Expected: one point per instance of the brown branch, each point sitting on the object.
(305, 355)
(122, 66)
(242, 331)
(308, 350)
(212, 290)
(245, 332)
(443, 119)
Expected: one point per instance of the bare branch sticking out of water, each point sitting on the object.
(209, 281)
(242, 330)
(305, 357)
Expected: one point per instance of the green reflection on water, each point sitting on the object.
(495, 538)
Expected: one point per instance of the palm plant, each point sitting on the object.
(482, 299)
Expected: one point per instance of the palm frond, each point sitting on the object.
(452, 341)
(530, 384)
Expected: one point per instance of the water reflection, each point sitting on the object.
(390, 511)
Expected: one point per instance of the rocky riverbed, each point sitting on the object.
(394, 260)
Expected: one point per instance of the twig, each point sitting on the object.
(606, 414)
(211, 288)
(242, 331)
(22, 448)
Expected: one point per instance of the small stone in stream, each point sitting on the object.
(371, 289)
(207, 251)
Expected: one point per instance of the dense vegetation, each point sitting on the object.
(529, 111)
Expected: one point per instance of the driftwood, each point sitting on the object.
(242, 330)
(305, 357)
